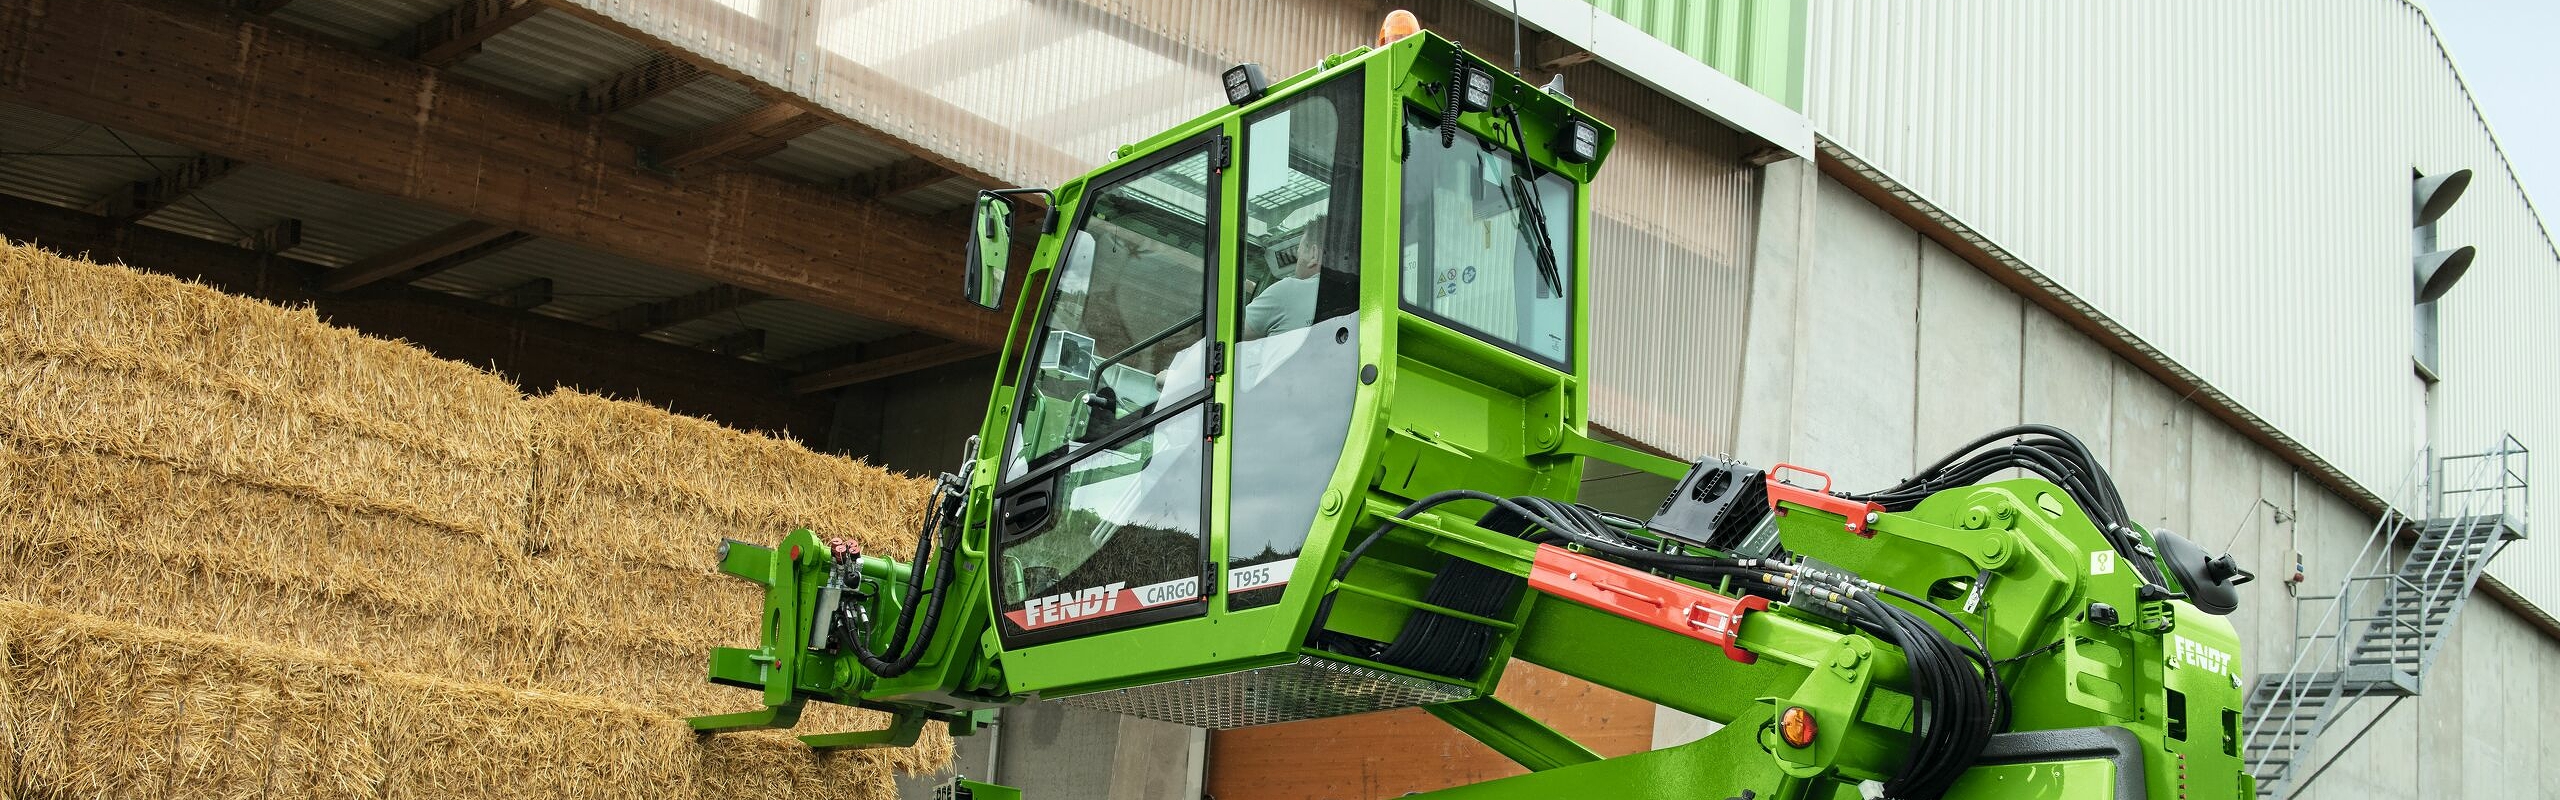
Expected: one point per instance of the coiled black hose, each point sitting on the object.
(1449, 98)
(898, 658)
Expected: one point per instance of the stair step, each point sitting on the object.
(2407, 648)
(2304, 700)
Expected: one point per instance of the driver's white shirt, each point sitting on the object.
(1289, 304)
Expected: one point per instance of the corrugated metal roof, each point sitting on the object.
(792, 329)
(368, 23)
(553, 55)
(67, 162)
(585, 284)
(550, 57)
(339, 225)
(705, 102)
(833, 153)
(940, 197)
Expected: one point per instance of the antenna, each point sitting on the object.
(1515, 40)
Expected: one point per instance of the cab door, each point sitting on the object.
(1297, 328)
(1101, 514)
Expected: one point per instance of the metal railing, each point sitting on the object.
(2470, 503)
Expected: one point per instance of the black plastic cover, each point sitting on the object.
(1716, 505)
(2212, 582)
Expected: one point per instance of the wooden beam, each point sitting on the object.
(260, 8)
(539, 352)
(458, 32)
(525, 296)
(659, 75)
(401, 260)
(896, 180)
(736, 345)
(773, 141)
(285, 234)
(887, 365)
(464, 256)
(727, 136)
(139, 199)
(195, 75)
(663, 314)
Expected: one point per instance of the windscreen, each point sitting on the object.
(1487, 247)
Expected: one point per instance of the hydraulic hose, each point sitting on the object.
(898, 657)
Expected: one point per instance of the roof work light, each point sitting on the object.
(1475, 90)
(1581, 143)
(1245, 83)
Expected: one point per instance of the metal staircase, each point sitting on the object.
(2387, 622)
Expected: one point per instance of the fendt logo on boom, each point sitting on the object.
(2195, 654)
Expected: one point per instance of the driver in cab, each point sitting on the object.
(1289, 303)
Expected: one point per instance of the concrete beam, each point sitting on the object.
(457, 33)
(660, 315)
(139, 199)
(269, 94)
(538, 352)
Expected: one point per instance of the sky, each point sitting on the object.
(2505, 50)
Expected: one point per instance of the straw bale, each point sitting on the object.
(177, 457)
(630, 482)
(100, 709)
(152, 367)
(116, 509)
(150, 543)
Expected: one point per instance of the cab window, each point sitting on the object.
(1487, 246)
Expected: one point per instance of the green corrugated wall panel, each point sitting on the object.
(1757, 42)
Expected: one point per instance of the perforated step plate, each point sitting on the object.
(1312, 688)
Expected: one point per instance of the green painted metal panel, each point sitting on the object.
(1758, 42)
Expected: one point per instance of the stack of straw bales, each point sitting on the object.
(252, 554)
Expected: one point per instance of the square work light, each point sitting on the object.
(1581, 143)
(1245, 84)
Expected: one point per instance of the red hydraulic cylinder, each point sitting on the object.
(1637, 595)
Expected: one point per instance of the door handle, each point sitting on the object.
(1025, 512)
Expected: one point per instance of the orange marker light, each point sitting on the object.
(1400, 23)
(1795, 726)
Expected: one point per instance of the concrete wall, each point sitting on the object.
(1881, 351)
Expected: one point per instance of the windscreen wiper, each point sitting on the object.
(1533, 222)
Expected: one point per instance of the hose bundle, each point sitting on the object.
(898, 657)
(2048, 452)
(1958, 701)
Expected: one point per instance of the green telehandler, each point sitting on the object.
(1290, 424)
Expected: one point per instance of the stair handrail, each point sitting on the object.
(2291, 690)
(2513, 489)
(2428, 587)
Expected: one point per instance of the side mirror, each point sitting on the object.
(990, 246)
